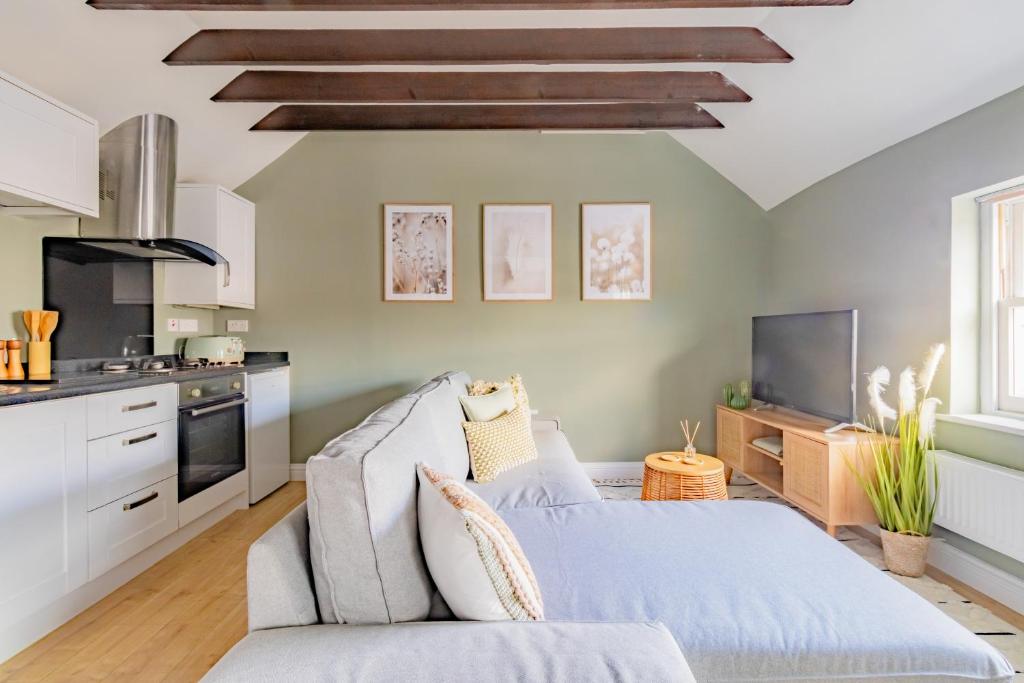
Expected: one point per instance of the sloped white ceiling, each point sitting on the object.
(864, 77)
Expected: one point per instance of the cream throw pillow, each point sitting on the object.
(500, 444)
(473, 557)
(489, 406)
(483, 387)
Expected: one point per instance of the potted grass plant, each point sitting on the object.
(899, 477)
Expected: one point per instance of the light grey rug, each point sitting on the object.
(1008, 639)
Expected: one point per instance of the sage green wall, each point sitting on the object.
(620, 375)
(879, 236)
(21, 276)
(21, 279)
(169, 342)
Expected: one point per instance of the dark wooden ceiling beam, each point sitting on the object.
(619, 116)
(477, 86)
(477, 46)
(442, 5)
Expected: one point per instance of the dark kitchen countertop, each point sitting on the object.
(20, 393)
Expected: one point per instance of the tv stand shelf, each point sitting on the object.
(812, 473)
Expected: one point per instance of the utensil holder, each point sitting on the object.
(39, 360)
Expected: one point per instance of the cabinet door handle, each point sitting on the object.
(138, 406)
(227, 273)
(138, 439)
(142, 501)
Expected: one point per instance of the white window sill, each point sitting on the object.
(997, 423)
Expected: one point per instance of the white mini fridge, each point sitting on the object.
(269, 432)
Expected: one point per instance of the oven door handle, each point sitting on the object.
(217, 408)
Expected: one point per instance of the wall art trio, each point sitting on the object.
(518, 252)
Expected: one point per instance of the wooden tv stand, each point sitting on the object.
(812, 473)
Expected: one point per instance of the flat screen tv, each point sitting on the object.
(807, 362)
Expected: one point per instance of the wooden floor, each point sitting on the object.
(170, 623)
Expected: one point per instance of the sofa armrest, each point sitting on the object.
(459, 652)
(546, 423)
(279, 577)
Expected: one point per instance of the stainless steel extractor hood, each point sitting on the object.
(138, 161)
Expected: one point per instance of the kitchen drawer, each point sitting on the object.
(119, 411)
(129, 525)
(129, 461)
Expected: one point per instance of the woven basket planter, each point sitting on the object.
(905, 555)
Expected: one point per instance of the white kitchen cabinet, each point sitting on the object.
(223, 221)
(123, 463)
(114, 412)
(49, 154)
(269, 435)
(129, 525)
(43, 519)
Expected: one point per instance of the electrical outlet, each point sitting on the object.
(189, 325)
(173, 325)
(238, 326)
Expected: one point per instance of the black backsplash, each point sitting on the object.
(106, 308)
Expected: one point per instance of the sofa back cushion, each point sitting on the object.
(368, 567)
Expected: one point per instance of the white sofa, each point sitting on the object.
(719, 591)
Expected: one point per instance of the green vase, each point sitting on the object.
(727, 395)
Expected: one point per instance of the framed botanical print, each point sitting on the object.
(517, 258)
(616, 252)
(418, 254)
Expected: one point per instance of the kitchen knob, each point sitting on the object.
(196, 393)
(236, 385)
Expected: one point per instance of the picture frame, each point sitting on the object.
(615, 251)
(518, 252)
(419, 257)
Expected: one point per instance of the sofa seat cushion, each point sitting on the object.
(553, 478)
(456, 652)
(363, 536)
(750, 590)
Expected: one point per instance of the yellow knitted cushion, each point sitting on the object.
(500, 444)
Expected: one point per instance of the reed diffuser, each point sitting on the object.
(689, 450)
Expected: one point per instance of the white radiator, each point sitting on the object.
(982, 502)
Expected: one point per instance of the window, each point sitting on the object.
(1007, 235)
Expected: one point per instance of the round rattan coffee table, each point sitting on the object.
(667, 480)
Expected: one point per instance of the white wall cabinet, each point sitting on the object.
(269, 434)
(43, 520)
(223, 221)
(49, 154)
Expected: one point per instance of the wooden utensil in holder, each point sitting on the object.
(3, 359)
(47, 324)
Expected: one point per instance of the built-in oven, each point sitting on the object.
(211, 433)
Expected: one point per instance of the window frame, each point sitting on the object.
(999, 298)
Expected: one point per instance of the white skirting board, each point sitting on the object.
(978, 574)
(614, 470)
(38, 624)
(297, 471)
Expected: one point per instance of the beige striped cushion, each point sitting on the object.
(474, 558)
